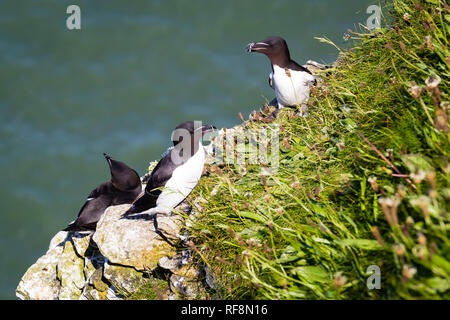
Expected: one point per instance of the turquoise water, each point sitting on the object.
(119, 85)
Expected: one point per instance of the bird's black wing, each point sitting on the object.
(104, 188)
(158, 178)
(97, 192)
(90, 213)
(161, 173)
(295, 66)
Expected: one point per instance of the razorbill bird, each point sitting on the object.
(124, 187)
(290, 80)
(177, 173)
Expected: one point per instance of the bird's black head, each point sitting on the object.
(275, 48)
(122, 176)
(187, 135)
(192, 129)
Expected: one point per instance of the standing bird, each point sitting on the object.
(177, 173)
(290, 80)
(124, 187)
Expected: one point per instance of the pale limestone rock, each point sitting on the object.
(81, 242)
(183, 265)
(58, 239)
(70, 272)
(186, 278)
(114, 260)
(93, 261)
(40, 281)
(125, 279)
(134, 241)
(185, 289)
(59, 273)
(98, 288)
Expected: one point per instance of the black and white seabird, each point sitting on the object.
(177, 173)
(124, 187)
(290, 80)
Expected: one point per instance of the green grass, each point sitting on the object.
(363, 180)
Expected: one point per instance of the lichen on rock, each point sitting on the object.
(135, 241)
(70, 272)
(119, 260)
(125, 279)
(40, 281)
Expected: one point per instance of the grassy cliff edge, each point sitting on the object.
(363, 181)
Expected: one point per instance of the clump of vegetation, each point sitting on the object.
(363, 180)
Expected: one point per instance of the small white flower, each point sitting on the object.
(419, 176)
(433, 82)
(408, 271)
(372, 179)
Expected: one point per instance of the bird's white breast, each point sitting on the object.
(184, 178)
(292, 87)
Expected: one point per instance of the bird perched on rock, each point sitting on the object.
(290, 80)
(177, 173)
(124, 187)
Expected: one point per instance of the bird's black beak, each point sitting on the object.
(208, 128)
(256, 47)
(208, 133)
(108, 158)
